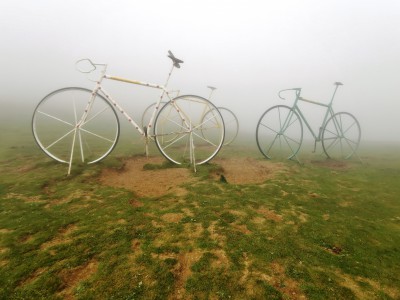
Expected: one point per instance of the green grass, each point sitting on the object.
(316, 230)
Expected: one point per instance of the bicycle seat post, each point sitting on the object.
(211, 92)
(337, 84)
(169, 76)
(175, 64)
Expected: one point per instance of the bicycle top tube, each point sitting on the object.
(298, 91)
(336, 84)
(157, 86)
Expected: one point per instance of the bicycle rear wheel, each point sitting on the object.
(341, 136)
(183, 135)
(148, 111)
(231, 124)
(279, 132)
(60, 131)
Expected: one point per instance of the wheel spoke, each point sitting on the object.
(60, 139)
(206, 140)
(288, 144)
(175, 140)
(96, 115)
(97, 135)
(266, 126)
(55, 118)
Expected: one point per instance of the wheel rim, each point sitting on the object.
(231, 124)
(57, 131)
(148, 112)
(341, 136)
(181, 123)
(279, 133)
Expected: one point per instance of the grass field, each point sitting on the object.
(320, 230)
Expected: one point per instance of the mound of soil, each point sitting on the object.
(147, 183)
(155, 183)
(245, 170)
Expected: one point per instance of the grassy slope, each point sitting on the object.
(313, 231)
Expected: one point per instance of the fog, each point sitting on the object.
(248, 49)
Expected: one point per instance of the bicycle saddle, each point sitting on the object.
(338, 83)
(175, 61)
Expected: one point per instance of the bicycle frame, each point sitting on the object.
(99, 89)
(279, 131)
(328, 113)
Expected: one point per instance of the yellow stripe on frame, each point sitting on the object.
(124, 80)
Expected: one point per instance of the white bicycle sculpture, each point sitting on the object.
(78, 124)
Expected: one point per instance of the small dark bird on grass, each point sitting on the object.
(222, 179)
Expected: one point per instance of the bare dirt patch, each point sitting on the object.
(245, 170)
(332, 164)
(275, 277)
(269, 214)
(193, 231)
(72, 277)
(353, 283)
(136, 203)
(158, 182)
(183, 271)
(242, 228)
(172, 217)
(63, 237)
(289, 287)
(27, 199)
(3, 262)
(36, 274)
(215, 235)
(147, 183)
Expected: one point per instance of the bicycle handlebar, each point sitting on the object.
(293, 89)
(85, 65)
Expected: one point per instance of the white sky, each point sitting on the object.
(248, 49)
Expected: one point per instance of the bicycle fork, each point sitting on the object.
(281, 134)
(77, 130)
(191, 148)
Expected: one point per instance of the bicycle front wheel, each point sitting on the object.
(75, 124)
(184, 135)
(279, 132)
(341, 136)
